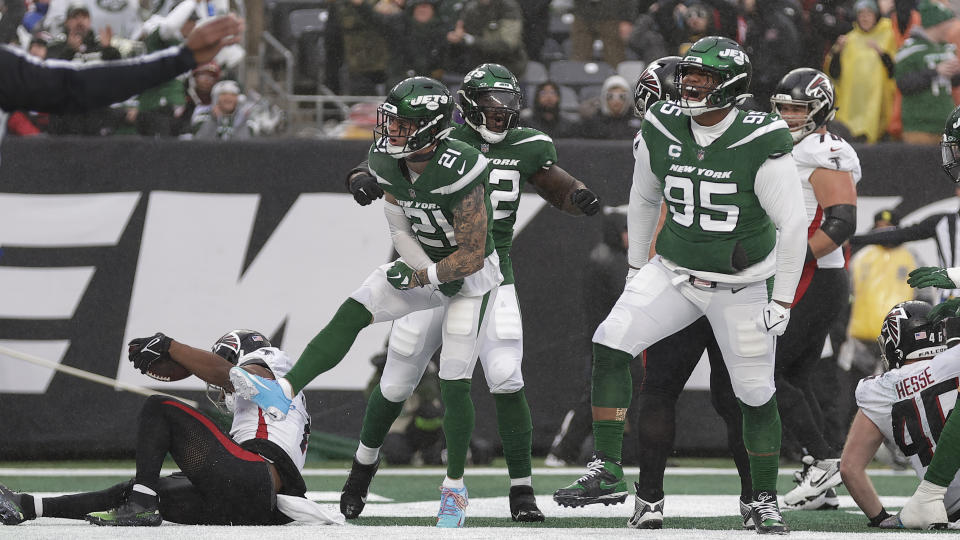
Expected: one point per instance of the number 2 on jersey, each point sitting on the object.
(506, 189)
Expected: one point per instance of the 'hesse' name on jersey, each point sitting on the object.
(914, 383)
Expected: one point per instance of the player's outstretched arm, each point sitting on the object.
(863, 440)
(918, 231)
(363, 185)
(565, 192)
(470, 232)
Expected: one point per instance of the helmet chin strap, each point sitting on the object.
(491, 137)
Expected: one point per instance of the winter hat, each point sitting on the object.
(933, 13)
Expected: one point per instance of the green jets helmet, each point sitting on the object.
(490, 95)
(415, 115)
(950, 146)
(729, 67)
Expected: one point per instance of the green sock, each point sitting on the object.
(457, 423)
(379, 416)
(608, 438)
(611, 385)
(516, 431)
(944, 465)
(328, 348)
(761, 437)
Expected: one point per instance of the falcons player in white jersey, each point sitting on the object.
(251, 477)
(907, 405)
(829, 170)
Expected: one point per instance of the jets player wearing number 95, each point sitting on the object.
(730, 185)
(489, 101)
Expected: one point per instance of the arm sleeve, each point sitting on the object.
(644, 209)
(171, 24)
(62, 87)
(403, 238)
(918, 231)
(778, 189)
(887, 64)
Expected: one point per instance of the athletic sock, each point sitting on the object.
(944, 465)
(450, 483)
(608, 438)
(516, 431)
(525, 481)
(328, 348)
(29, 506)
(366, 455)
(761, 437)
(611, 387)
(458, 421)
(381, 413)
(75, 506)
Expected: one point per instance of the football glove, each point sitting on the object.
(586, 200)
(451, 288)
(147, 350)
(400, 275)
(773, 319)
(365, 188)
(949, 308)
(930, 276)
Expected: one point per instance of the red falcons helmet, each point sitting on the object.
(809, 88)
(656, 83)
(906, 335)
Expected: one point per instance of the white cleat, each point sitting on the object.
(817, 476)
(646, 515)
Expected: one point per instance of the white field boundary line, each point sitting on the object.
(430, 471)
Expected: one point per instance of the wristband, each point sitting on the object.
(432, 274)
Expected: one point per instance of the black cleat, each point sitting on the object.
(765, 514)
(603, 483)
(11, 508)
(523, 505)
(128, 514)
(353, 497)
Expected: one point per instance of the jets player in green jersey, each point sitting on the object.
(489, 101)
(441, 223)
(731, 189)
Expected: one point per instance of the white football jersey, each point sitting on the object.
(249, 422)
(823, 151)
(910, 405)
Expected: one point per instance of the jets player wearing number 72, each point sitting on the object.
(730, 184)
(490, 103)
(438, 206)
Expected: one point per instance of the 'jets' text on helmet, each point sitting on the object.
(950, 146)
(906, 334)
(656, 83)
(415, 115)
(231, 347)
(727, 66)
(490, 95)
(809, 88)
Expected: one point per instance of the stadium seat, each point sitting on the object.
(579, 74)
(589, 92)
(552, 51)
(559, 28)
(535, 74)
(631, 70)
(311, 20)
(568, 99)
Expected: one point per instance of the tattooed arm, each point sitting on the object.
(470, 231)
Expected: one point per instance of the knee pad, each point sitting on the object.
(396, 393)
(754, 392)
(503, 374)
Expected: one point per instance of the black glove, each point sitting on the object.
(147, 350)
(450, 288)
(365, 188)
(586, 200)
(876, 520)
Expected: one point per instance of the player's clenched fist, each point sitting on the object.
(400, 275)
(365, 189)
(586, 200)
(147, 350)
(773, 319)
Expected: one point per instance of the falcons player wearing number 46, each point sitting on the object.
(829, 171)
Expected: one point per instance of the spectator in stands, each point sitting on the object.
(861, 64)
(30, 123)
(365, 46)
(227, 119)
(488, 31)
(823, 22)
(545, 114)
(610, 21)
(926, 71)
(646, 40)
(536, 27)
(37, 48)
(199, 90)
(34, 17)
(422, 39)
(613, 117)
(772, 41)
(697, 23)
(78, 41)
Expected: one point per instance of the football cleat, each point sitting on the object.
(646, 515)
(523, 505)
(603, 483)
(266, 393)
(553, 461)
(128, 514)
(923, 510)
(353, 497)
(817, 476)
(11, 509)
(765, 514)
(827, 500)
(746, 514)
(453, 507)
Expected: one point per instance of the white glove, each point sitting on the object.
(631, 272)
(773, 319)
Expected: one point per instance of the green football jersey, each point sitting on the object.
(428, 202)
(715, 222)
(523, 152)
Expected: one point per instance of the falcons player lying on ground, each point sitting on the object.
(829, 171)
(907, 405)
(251, 477)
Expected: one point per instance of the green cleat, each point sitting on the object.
(603, 483)
(128, 514)
(765, 514)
